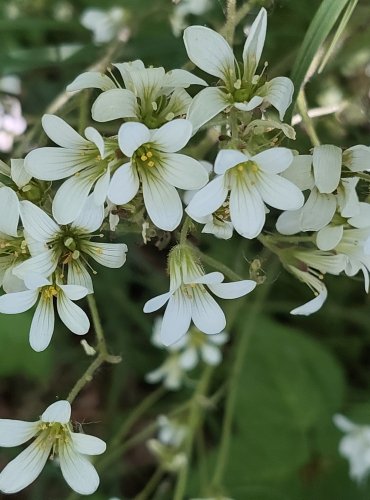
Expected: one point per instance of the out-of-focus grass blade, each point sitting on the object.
(321, 25)
(342, 26)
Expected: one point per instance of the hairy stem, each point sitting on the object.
(230, 21)
(307, 121)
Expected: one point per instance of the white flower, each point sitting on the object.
(55, 247)
(188, 298)
(44, 291)
(171, 432)
(251, 181)
(53, 437)
(151, 95)
(87, 162)
(170, 458)
(105, 24)
(185, 8)
(245, 90)
(13, 251)
(171, 373)
(155, 165)
(355, 446)
(354, 246)
(12, 122)
(9, 203)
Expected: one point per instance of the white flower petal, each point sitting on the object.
(313, 305)
(37, 223)
(74, 292)
(50, 164)
(44, 264)
(327, 164)
(90, 218)
(249, 105)
(209, 51)
(228, 158)
(362, 219)
(254, 44)
(357, 158)
(300, 172)
(62, 134)
(207, 315)
(88, 445)
(72, 315)
(274, 160)
(33, 281)
(206, 279)
(60, 411)
(328, 237)
(289, 222)
(181, 78)
(209, 198)
(111, 255)
(211, 354)
(233, 290)
(131, 136)
(79, 275)
(25, 468)
(9, 210)
(114, 104)
(347, 198)
(101, 188)
(279, 93)
(247, 211)
(279, 192)
(176, 319)
(16, 432)
(71, 197)
(205, 106)
(18, 302)
(18, 173)
(318, 211)
(42, 326)
(124, 184)
(172, 136)
(189, 358)
(91, 80)
(222, 230)
(156, 302)
(343, 423)
(183, 172)
(96, 138)
(162, 203)
(78, 472)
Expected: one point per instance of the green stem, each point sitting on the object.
(150, 485)
(185, 230)
(102, 357)
(303, 110)
(195, 417)
(217, 265)
(230, 21)
(241, 347)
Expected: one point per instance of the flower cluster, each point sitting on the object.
(134, 177)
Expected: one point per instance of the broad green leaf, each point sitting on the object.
(322, 23)
(17, 357)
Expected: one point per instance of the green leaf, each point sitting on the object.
(322, 23)
(290, 386)
(17, 357)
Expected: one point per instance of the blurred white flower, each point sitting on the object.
(54, 437)
(355, 446)
(184, 8)
(106, 24)
(171, 432)
(12, 123)
(170, 373)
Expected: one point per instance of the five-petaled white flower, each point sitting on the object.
(251, 181)
(87, 162)
(188, 298)
(54, 437)
(355, 446)
(44, 291)
(66, 247)
(155, 165)
(245, 90)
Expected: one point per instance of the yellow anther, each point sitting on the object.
(240, 168)
(143, 157)
(151, 163)
(149, 154)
